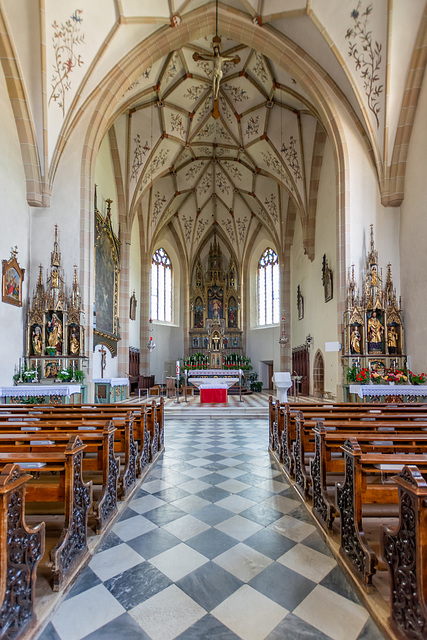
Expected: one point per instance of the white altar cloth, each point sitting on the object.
(113, 382)
(363, 390)
(25, 390)
(213, 383)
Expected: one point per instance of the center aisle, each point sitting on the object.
(215, 545)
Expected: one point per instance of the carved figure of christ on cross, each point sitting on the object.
(218, 61)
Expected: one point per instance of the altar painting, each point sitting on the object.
(215, 303)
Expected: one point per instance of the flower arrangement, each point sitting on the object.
(376, 377)
(416, 378)
(362, 376)
(398, 377)
(29, 375)
(352, 374)
(64, 375)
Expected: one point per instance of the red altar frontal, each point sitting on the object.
(213, 395)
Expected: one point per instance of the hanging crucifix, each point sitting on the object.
(218, 61)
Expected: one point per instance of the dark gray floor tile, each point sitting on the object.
(137, 584)
(86, 580)
(49, 633)
(337, 582)
(253, 480)
(269, 543)
(212, 514)
(212, 543)
(173, 493)
(316, 542)
(284, 586)
(260, 513)
(213, 494)
(123, 627)
(154, 542)
(164, 514)
(301, 513)
(109, 541)
(214, 478)
(294, 628)
(209, 585)
(128, 513)
(370, 632)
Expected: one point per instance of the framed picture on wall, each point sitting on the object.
(13, 277)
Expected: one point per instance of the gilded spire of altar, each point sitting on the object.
(55, 256)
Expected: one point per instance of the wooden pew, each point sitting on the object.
(359, 489)
(404, 549)
(328, 465)
(21, 549)
(305, 442)
(105, 463)
(124, 440)
(66, 486)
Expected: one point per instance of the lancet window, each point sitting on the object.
(268, 288)
(161, 286)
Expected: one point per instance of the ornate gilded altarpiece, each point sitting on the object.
(215, 309)
(107, 270)
(374, 334)
(55, 334)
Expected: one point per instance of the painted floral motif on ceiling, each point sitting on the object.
(205, 183)
(291, 156)
(260, 68)
(193, 170)
(367, 56)
(213, 128)
(274, 164)
(65, 40)
(139, 153)
(228, 226)
(194, 92)
(241, 228)
(222, 182)
(204, 108)
(233, 170)
(145, 75)
(271, 206)
(201, 226)
(158, 205)
(225, 109)
(177, 125)
(237, 93)
(157, 163)
(188, 226)
(172, 69)
(252, 126)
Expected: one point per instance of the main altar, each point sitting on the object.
(215, 331)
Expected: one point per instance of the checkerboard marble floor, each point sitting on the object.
(215, 545)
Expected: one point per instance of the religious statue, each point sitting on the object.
(355, 338)
(375, 331)
(74, 341)
(392, 338)
(36, 340)
(54, 332)
(218, 61)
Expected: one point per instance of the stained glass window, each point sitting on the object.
(268, 288)
(161, 286)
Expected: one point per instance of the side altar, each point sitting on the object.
(54, 339)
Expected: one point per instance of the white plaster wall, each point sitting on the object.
(413, 241)
(320, 317)
(15, 222)
(106, 183)
(135, 283)
(169, 337)
(261, 342)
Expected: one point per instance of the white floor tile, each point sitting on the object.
(249, 614)
(233, 485)
(232, 472)
(235, 503)
(86, 612)
(272, 485)
(292, 528)
(167, 614)
(190, 504)
(178, 561)
(194, 486)
(132, 527)
(156, 485)
(243, 562)
(111, 562)
(238, 527)
(308, 562)
(186, 527)
(146, 503)
(332, 614)
(197, 473)
(281, 503)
